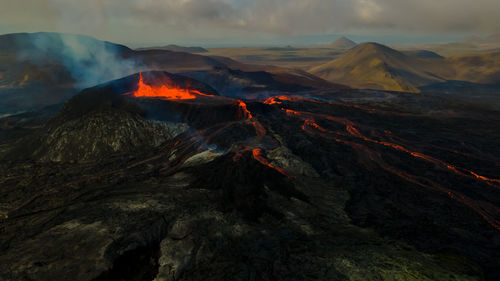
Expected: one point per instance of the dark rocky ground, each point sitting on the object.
(346, 186)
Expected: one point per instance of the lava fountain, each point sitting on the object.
(168, 91)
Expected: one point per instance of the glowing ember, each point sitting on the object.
(170, 92)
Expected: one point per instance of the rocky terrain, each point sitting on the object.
(318, 184)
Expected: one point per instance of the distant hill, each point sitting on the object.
(493, 38)
(469, 45)
(375, 66)
(343, 43)
(177, 48)
(480, 68)
(423, 54)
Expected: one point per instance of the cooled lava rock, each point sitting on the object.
(243, 181)
(120, 186)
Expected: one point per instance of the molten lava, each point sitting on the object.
(309, 122)
(487, 211)
(167, 91)
(277, 99)
(259, 129)
(259, 156)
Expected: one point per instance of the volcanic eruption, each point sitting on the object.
(167, 90)
(217, 170)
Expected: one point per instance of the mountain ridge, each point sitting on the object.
(177, 48)
(376, 66)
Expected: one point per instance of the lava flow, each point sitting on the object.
(487, 211)
(277, 99)
(259, 129)
(165, 91)
(309, 117)
(259, 156)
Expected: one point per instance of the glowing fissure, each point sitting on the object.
(277, 99)
(307, 117)
(246, 113)
(259, 156)
(166, 91)
(487, 211)
(259, 129)
(280, 99)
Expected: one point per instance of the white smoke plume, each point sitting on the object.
(89, 61)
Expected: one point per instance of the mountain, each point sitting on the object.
(41, 69)
(478, 68)
(177, 48)
(343, 43)
(375, 66)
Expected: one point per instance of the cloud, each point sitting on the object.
(144, 19)
(430, 15)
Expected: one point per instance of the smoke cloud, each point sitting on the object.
(89, 61)
(41, 69)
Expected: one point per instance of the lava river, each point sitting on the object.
(351, 136)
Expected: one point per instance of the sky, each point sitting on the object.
(253, 22)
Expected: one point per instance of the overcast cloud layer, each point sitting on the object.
(186, 20)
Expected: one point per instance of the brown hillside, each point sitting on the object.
(375, 66)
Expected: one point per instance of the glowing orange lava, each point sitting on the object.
(259, 129)
(277, 99)
(309, 117)
(486, 210)
(169, 91)
(246, 112)
(259, 156)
